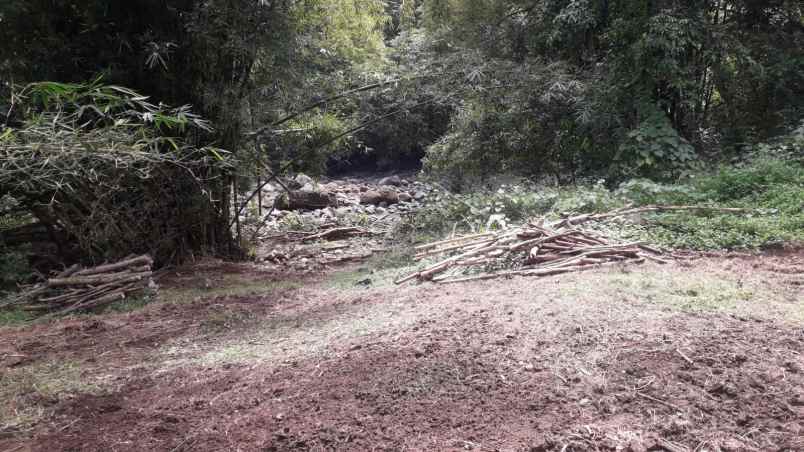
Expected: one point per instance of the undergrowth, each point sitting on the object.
(379, 270)
(14, 267)
(771, 188)
(14, 316)
(27, 392)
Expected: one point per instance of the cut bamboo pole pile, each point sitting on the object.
(539, 248)
(82, 289)
(337, 234)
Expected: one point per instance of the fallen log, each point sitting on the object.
(97, 279)
(132, 262)
(337, 233)
(305, 199)
(376, 197)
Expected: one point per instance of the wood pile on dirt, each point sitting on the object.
(82, 289)
(332, 244)
(539, 248)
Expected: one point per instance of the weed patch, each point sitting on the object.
(227, 286)
(14, 316)
(378, 271)
(26, 392)
(772, 189)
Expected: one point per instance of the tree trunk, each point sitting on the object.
(304, 199)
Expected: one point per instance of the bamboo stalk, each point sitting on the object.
(449, 248)
(448, 241)
(573, 221)
(95, 279)
(138, 261)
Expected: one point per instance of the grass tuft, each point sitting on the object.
(27, 391)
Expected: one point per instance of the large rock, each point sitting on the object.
(375, 197)
(303, 179)
(306, 199)
(391, 180)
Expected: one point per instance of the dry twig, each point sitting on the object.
(77, 289)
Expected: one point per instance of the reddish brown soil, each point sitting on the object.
(484, 366)
(122, 340)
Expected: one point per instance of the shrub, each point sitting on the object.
(750, 180)
(772, 188)
(112, 174)
(654, 149)
(14, 267)
(446, 212)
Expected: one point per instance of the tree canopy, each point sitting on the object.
(470, 88)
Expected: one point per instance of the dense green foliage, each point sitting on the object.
(564, 88)
(617, 88)
(107, 174)
(772, 188)
(118, 161)
(558, 91)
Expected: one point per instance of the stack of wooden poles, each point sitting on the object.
(84, 289)
(539, 248)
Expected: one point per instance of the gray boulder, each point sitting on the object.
(376, 197)
(391, 180)
(303, 179)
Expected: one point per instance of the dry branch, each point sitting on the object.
(336, 234)
(77, 289)
(135, 261)
(587, 217)
(537, 249)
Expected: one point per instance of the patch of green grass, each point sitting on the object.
(25, 391)
(230, 285)
(473, 211)
(724, 231)
(773, 189)
(222, 321)
(275, 339)
(701, 292)
(14, 316)
(308, 331)
(130, 304)
(381, 270)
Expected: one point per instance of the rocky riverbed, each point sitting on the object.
(294, 210)
(388, 197)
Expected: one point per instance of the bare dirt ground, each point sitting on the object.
(701, 354)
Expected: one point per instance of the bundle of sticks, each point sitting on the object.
(540, 248)
(83, 289)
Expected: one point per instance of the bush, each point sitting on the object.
(446, 212)
(654, 149)
(772, 188)
(111, 174)
(751, 180)
(14, 268)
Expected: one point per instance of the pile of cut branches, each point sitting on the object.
(540, 248)
(79, 289)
